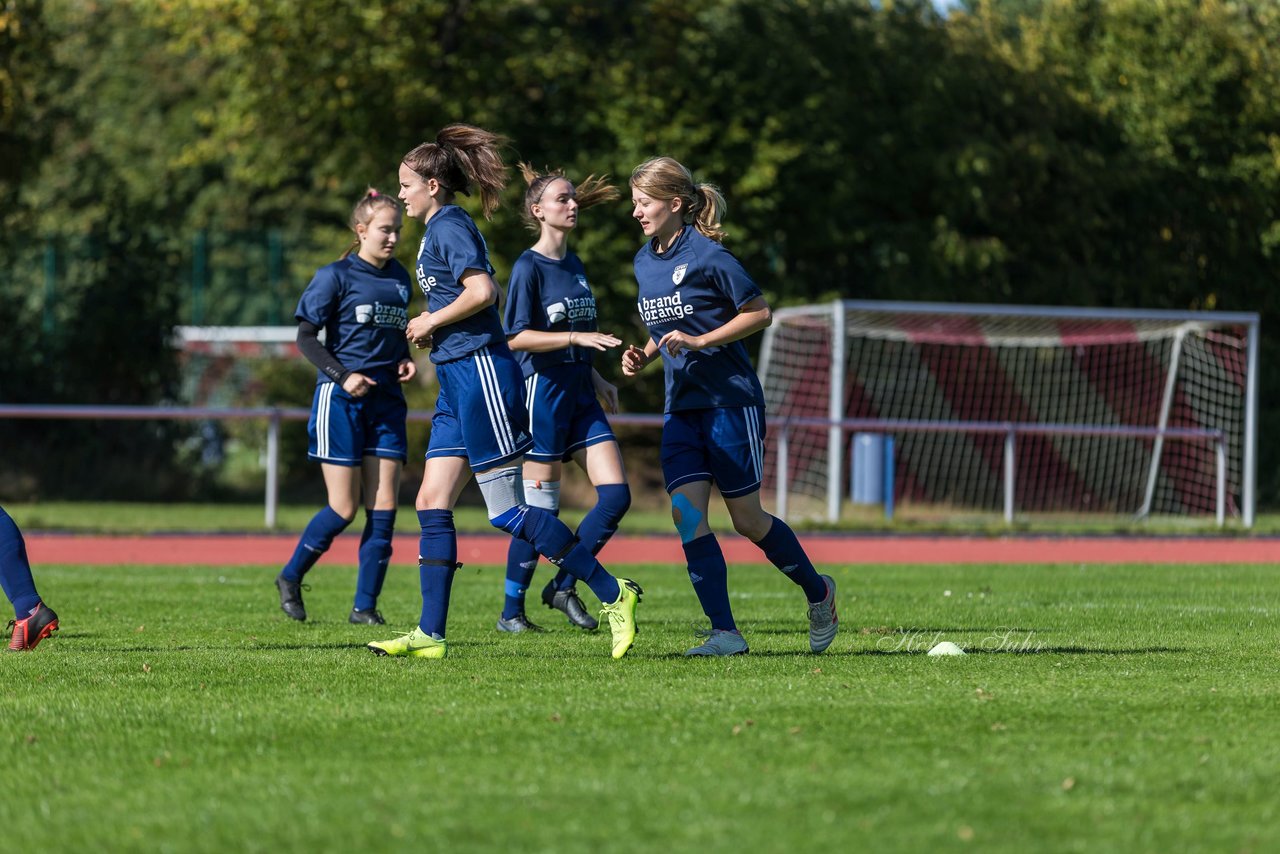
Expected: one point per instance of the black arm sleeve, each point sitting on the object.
(317, 355)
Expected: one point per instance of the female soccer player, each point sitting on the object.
(551, 326)
(357, 424)
(33, 621)
(699, 303)
(480, 424)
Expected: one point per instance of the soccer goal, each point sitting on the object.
(1017, 408)
(217, 362)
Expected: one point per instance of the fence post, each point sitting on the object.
(1008, 475)
(784, 452)
(273, 466)
(888, 477)
(835, 412)
(1220, 459)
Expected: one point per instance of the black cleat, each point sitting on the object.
(567, 601)
(368, 617)
(517, 624)
(291, 598)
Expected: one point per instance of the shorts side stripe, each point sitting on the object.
(531, 395)
(752, 418)
(323, 406)
(500, 409)
(493, 402)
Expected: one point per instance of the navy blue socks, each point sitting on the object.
(437, 562)
(522, 560)
(375, 554)
(601, 522)
(553, 539)
(15, 569)
(315, 541)
(710, 577)
(784, 551)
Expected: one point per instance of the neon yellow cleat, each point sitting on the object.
(415, 644)
(622, 616)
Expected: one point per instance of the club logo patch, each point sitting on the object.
(582, 280)
(677, 275)
(403, 291)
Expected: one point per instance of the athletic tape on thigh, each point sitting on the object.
(690, 517)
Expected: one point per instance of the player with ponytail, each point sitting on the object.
(699, 304)
(480, 425)
(550, 321)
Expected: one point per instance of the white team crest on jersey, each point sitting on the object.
(677, 275)
(403, 291)
(582, 280)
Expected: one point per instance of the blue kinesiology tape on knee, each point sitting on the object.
(690, 517)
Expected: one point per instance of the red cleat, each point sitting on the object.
(35, 628)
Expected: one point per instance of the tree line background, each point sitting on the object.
(1087, 152)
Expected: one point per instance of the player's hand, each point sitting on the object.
(406, 370)
(420, 330)
(675, 342)
(596, 340)
(633, 360)
(357, 385)
(606, 391)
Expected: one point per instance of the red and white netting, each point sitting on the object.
(945, 364)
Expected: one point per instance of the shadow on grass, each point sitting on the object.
(248, 646)
(759, 653)
(1044, 650)
(789, 628)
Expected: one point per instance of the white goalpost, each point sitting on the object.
(1019, 409)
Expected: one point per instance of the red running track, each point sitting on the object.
(274, 549)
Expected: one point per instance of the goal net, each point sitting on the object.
(1043, 410)
(220, 365)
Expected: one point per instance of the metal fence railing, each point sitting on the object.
(1010, 430)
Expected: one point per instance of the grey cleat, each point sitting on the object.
(517, 624)
(367, 617)
(567, 602)
(823, 620)
(720, 642)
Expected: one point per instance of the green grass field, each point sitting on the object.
(1124, 708)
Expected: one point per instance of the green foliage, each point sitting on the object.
(1022, 151)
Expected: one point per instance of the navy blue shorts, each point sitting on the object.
(480, 411)
(343, 429)
(564, 413)
(724, 445)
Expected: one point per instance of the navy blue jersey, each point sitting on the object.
(363, 310)
(547, 295)
(694, 287)
(450, 246)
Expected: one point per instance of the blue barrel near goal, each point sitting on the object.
(871, 470)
